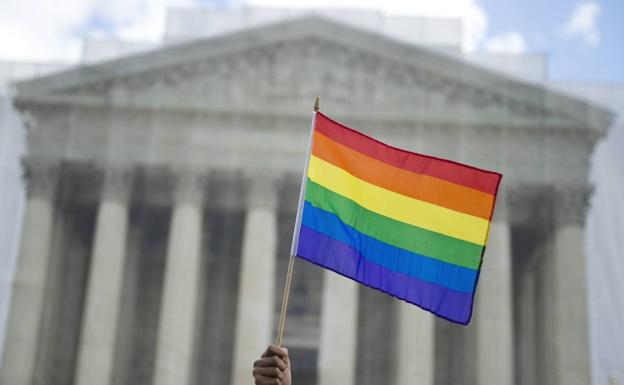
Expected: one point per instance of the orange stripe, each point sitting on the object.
(411, 184)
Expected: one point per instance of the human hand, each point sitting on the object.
(273, 368)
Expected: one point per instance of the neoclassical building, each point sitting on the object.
(162, 192)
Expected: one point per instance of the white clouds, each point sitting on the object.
(583, 22)
(472, 14)
(38, 30)
(52, 31)
(506, 43)
(139, 19)
(45, 31)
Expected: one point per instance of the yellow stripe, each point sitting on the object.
(390, 204)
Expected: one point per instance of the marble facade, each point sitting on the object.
(162, 189)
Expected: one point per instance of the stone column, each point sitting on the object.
(255, 309)
(493, 309)
(571, 328)
(545, 319)
(29, 286)
(339, 322)
(178, 310)
(527, 328)
(415, 345)
(103, 297)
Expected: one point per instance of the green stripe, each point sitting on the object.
(393, 232)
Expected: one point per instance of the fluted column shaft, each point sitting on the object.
(493, 310)
(254, 317)
(339, 322)
(23, 324)
(178, 313)
(415, 346)
(103, 297)
(571, 328)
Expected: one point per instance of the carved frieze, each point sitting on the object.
(298, 69)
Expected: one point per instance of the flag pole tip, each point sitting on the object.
(317, 104)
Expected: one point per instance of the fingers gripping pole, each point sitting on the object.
(291, 259)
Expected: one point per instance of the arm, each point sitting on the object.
(273, 367)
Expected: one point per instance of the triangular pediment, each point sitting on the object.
(287, 64)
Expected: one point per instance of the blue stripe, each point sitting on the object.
(337, 256)
(395, 259)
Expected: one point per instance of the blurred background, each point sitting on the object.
(150, 159)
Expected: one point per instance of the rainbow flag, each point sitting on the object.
(410, 225)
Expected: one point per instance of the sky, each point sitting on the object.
(581, 38)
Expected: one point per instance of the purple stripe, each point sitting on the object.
(346, 260)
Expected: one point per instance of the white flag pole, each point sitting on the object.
(295, 238)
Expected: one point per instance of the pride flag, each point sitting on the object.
(410, 225)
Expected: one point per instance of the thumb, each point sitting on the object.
(287, 358)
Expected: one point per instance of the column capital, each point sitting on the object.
(504, 199)
(570, 204)
(188, 184)
(42, 177)
(261, 189)
(116, 182)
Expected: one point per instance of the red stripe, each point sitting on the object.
(462, 174)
